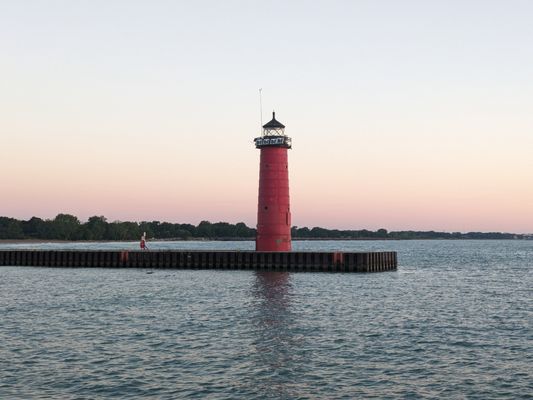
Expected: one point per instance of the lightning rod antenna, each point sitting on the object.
(261, 111)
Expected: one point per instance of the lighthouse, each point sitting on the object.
(273, 210)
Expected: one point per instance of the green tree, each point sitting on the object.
(35, 228)
(123, 231)
(95, 228)
(150, 228)
(10, 228)
(242, 231)
(382, 233)
(66, 226)
(205, 229)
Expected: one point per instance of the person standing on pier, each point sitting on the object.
(143, 242)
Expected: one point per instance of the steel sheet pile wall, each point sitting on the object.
(272, 261)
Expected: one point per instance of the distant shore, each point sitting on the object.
(66, 227)
(23, 241)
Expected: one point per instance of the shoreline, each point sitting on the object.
(23, 241)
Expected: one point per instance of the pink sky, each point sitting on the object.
(413, 117)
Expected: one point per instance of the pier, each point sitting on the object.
(218, 260)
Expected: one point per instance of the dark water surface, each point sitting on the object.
(453, 322)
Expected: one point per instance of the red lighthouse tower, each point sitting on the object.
(273, 212)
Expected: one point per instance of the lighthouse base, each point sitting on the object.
(273, 244)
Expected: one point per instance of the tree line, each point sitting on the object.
(321, 233)
(69, 227)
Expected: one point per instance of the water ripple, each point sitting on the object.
(453, 322)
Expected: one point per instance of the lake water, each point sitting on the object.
(455, 321)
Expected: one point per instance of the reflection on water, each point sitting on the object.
(275, 342)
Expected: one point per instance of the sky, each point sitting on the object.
(403, 114)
